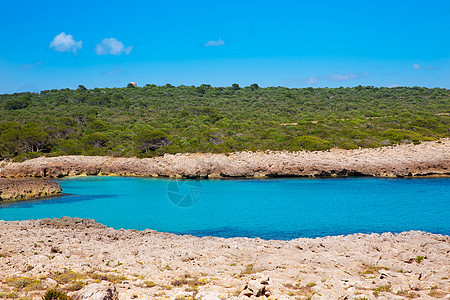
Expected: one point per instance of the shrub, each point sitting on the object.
(55, 295)
(108, 277)
(66, 276)
(25, 282)
(312, 143)
(398, 135)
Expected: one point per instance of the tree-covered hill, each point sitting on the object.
(153, 120)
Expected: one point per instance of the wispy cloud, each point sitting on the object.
(217, 43)
(344, 77)
(312, 80)
(113, 72)
(393, 85)
(336, 77)
(31, 66)
(112, 46)
(65, 43)
(419, 67)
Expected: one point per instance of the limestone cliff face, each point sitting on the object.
(428, 158)
(18, 189)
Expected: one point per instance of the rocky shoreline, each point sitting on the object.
(406, 160)
(22, 189)
(82, 257)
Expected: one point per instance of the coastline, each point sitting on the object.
(428, 159)
(154, 265)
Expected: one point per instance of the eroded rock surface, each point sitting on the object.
(18, 189)
(97, 291)
(425, 159)
(152, 265)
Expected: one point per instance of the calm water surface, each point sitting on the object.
(269, 208)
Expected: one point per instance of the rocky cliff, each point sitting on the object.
(18, 189)
(425, 159)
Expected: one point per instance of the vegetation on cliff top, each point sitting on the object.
(153, 120)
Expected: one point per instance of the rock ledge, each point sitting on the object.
(20, 189)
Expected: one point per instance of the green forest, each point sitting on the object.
(154, 120)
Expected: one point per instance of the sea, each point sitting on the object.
(281, 209)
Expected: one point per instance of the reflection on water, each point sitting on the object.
(63, 198)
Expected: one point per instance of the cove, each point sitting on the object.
(280, 209)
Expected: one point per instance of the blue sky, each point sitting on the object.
(61, 44)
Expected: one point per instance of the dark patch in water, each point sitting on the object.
(63, 198)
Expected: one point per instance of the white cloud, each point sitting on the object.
(65, 43)
(312, 80)
(346, 76)
(217, 43)
(419, 67)
(112, 46)
(394, 85)
(340, 77)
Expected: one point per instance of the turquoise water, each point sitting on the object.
(269, 208)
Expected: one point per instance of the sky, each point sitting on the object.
(62, 44)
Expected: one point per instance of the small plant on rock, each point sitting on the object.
(109, 277)
(383, 288)
(12, 295)
(249, 269)
(419, 259)
(372, 270)
(434, 292)
(149, 284)
(76, 286)
(408, 294)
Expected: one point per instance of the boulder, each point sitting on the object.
(139, 283)
(256, 288)
(97, 291)
(50, 283)
(210, 296)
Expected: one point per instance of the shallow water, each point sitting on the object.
(268, 208)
